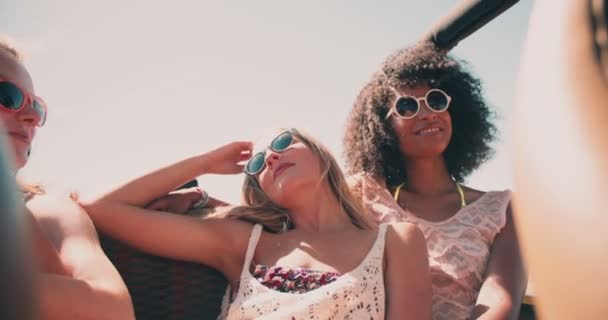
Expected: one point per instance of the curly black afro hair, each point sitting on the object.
(371, 143)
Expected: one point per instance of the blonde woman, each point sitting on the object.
(299, 247)
(74, 279)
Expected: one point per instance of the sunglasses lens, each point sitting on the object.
(281, 142)
(406, 107)
(437, 100)
(11, 97)
(41, 110)
(255, 164)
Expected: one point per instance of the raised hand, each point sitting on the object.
(228, 159)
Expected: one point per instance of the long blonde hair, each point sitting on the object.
(258, 208)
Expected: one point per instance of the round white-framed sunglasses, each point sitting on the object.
(407, 107)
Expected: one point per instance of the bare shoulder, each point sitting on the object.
(360, 179)
(44, 206)
(471, 194)
(404, 234)
(405, 248)
(60, 217)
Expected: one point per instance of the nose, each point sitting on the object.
(425, 111)
(28, 115)
(271, 158)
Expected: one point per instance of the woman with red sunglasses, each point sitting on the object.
(417, 129)
(74, 279)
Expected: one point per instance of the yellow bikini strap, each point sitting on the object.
(463, 202)
(397, 191)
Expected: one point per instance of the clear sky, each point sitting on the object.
(133, 85)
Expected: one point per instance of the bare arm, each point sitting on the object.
(182, 201)
(143, 190)
(80, 283)
(218, 243)
(407, 277)
(215, 242)
(45, 255)
(505, 283)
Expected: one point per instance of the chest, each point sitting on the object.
(430, 208)
(340, 253)
(357, 293)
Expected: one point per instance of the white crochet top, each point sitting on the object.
(358, 294)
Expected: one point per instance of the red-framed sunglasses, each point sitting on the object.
(13, 99)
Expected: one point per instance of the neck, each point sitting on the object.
(428, 176)
(318, 210)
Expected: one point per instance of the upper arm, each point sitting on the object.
(505, 281)
(73, 235)
(214, 242)
(407, 277)
(44, 254)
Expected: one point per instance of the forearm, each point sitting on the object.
(63, 297)
(143, 190)
(502, 311)
(497, 302)
(506, 279)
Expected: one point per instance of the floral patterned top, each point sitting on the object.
(292, 280)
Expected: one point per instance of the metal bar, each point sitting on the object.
(463, 20)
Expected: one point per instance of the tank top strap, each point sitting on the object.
(377, 251)
(253, 242)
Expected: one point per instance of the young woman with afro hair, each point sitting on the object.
(418, 128)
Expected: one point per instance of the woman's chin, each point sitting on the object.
(288, 190)
(20, 158)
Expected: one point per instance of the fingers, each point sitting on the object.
(169, 205)
(229, 159)
(180, 207)
(243, 145)
(75, 196)
(239, 168)
(214, 203)
(160, 204)
(245, 149)
(245, 155)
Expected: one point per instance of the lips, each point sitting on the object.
(280, 168)
(21, 136)
(429, 129)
